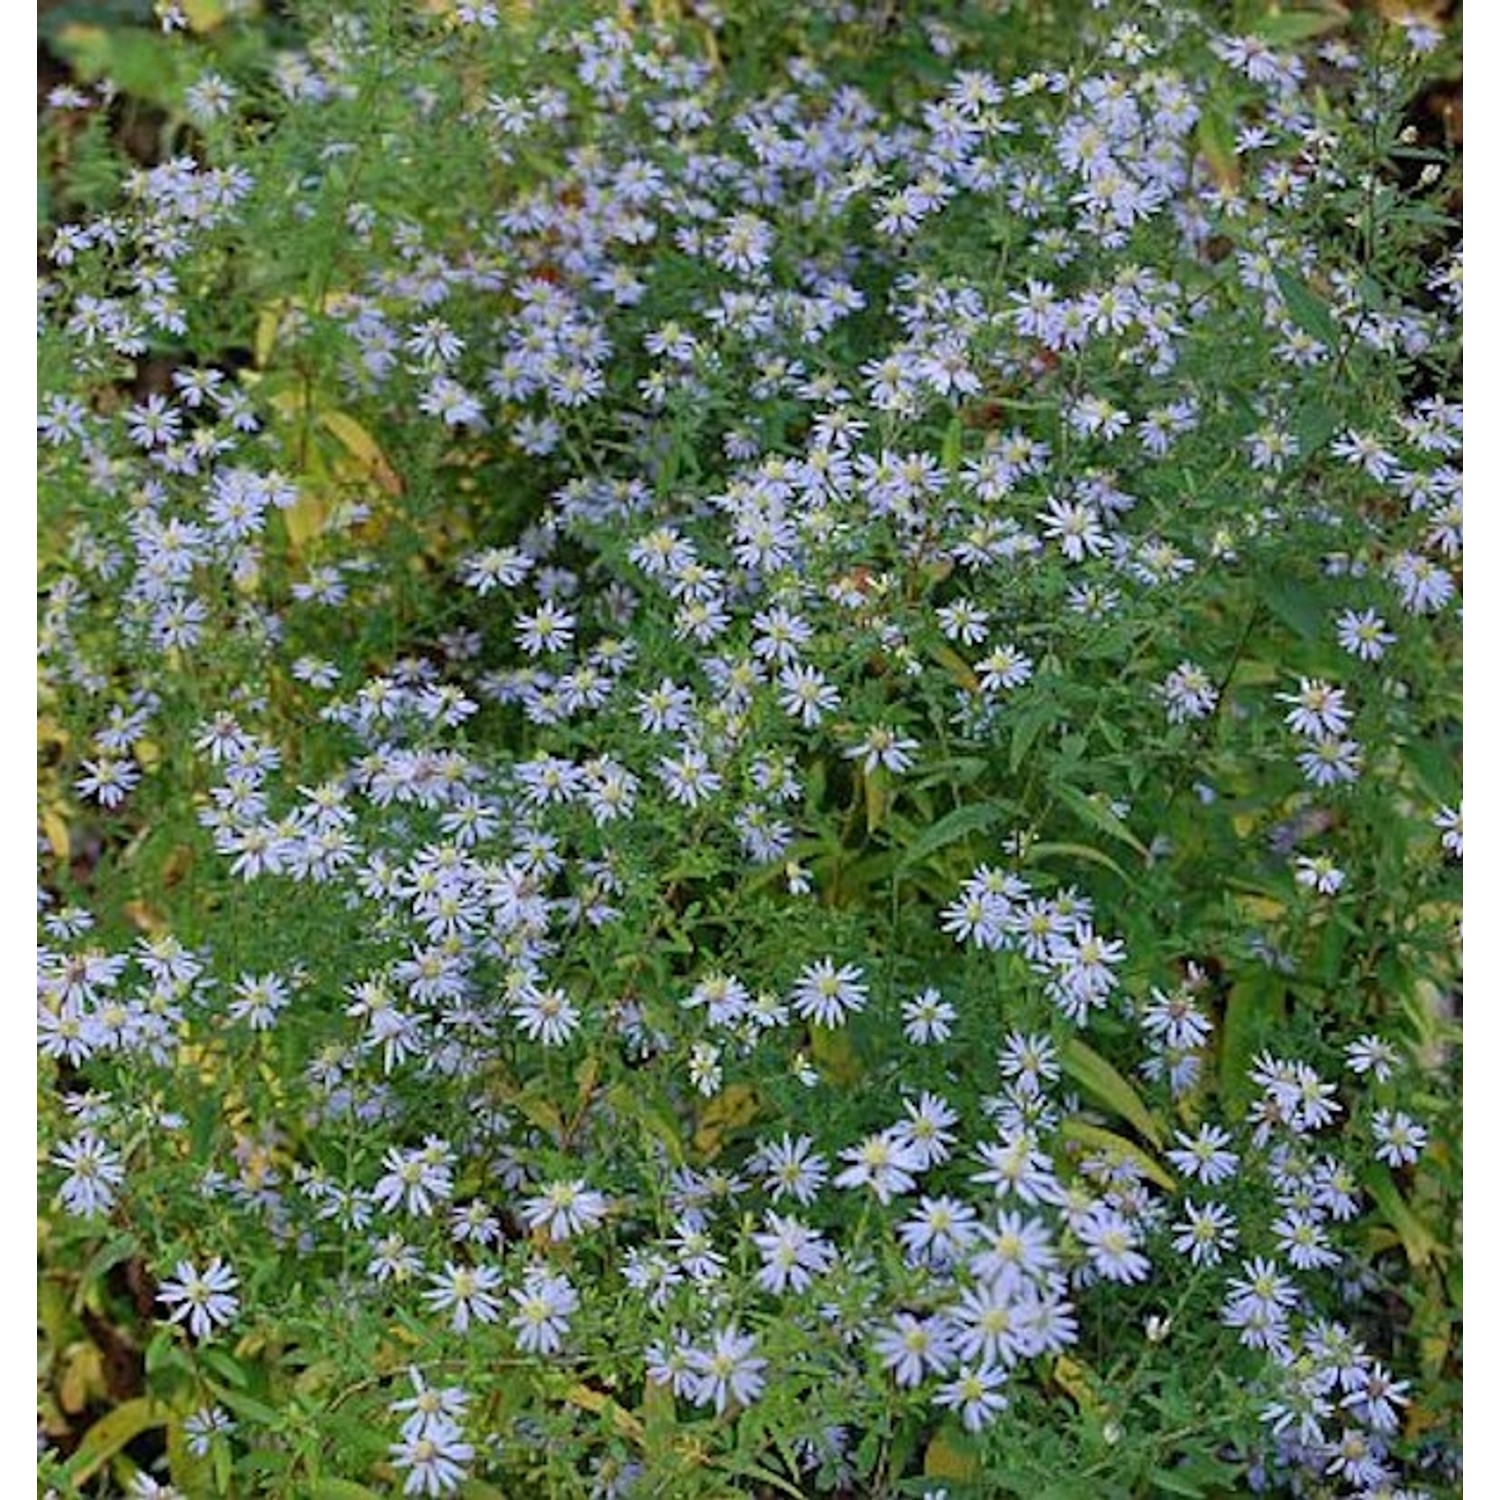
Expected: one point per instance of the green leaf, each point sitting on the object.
(139, 62)
(1254, 1005)
(1308, 311)
(1285, 28)
(861, 874)
(1419, 1242)
(162, 1352)
(1097, 813)
(190, 1474)
(1295, 604)
(1099, 1078)
(953, 447)
(1030, 722)
(1175, 1484)
(1216, 140)
(114, 1250)
(1074, 851)
(247, 1406)
(111, 1433)
(1331, 948)
(341, 1489)
(949, 829)
(1313, 426)
(629, 1104)
(954, 771)
(751, 1470)
(225, 1366)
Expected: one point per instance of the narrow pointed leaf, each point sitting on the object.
(949, 829)
(1109, 1087)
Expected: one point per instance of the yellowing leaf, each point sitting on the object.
(1262, 908)
(659, 1404)
(304, 519)
(541, 1112)
(727, 1111)
(1420, 1243)
(877, 798)
(82, 1377)
(150, 922)
(1077, 1380)
(55, 826)
(962, 672)
(833, 1051)
(357, 441)
(1106, 1140)
(49, 732)
(86, 47)
(267, 322)
(946, 1459)
(587, 1078)
(203, 15)
(589, 1399)
(1216, 127)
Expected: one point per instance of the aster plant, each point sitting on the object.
(750, 775)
